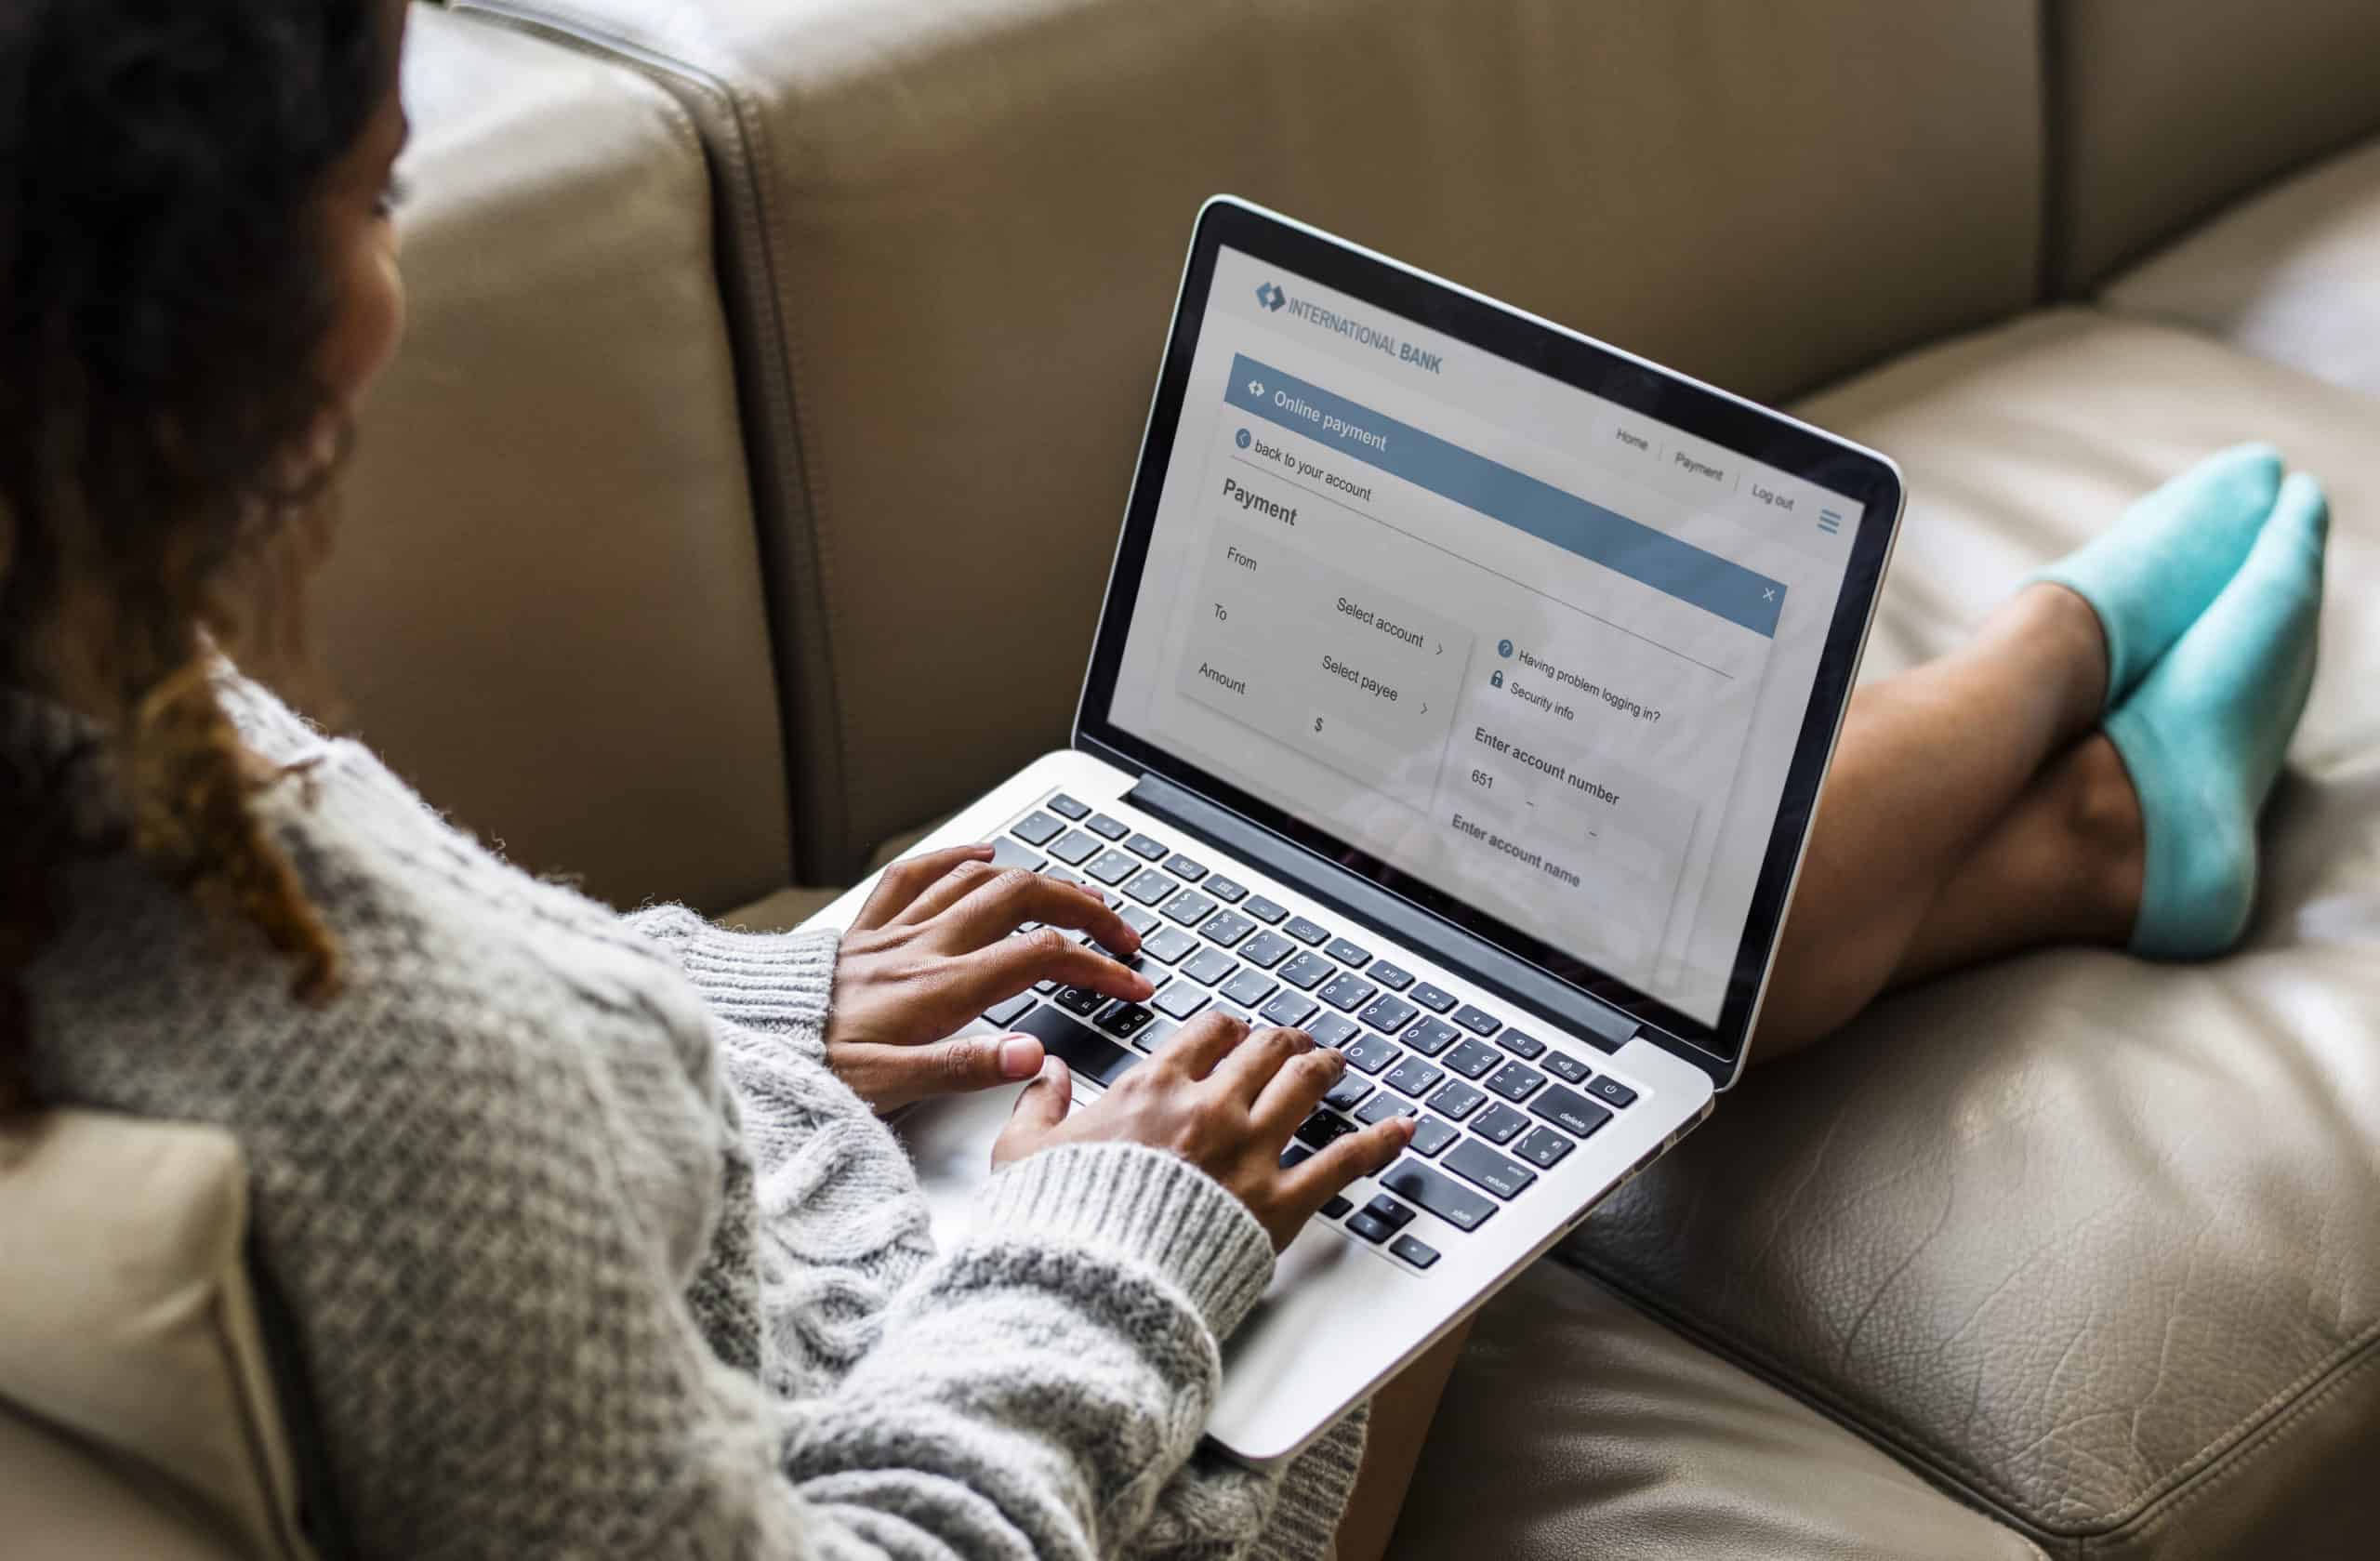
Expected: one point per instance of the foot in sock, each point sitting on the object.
(2204, 733)
(2150, 574)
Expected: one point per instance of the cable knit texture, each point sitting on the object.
(589, 1255)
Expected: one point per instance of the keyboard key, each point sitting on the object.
(1226, 928)
(1382, 1106)
(1306, 971)
(1084, 1049)
(1265, 949)
(1458, 1100)
(1264, 909)
(1080, 999)
(1066, 807)
(1499, 1124)
(1333, 1030)
(1478, 1020)
(1189, 908)
(1388, 1014)
(1370, 1227)
(1045, 988)
(1438, 999)
(1431, 1036)
(1395, 977)
(1182, 866)
(1348, 954)
(1370, 1052)
(1349, 1092)
(1295, 1156)
(1181, 999)
(1248, 988)
(1386, 1208)
(1347, 992)
(1137, 919)
(1543, 1147)
(1148, 886)
(1442, 1196)
(1004, 1014)
(1469, 1059)
(1477, 1163)
(1306, 930)
(1154, 1034)
(1076, 849)
(1061, 875)
(1415, 1078)
(1562, 1065)
(1148, 848)
(1229, 890)
(1432, 1134)
(1336, 1208)
(1124, 1021)
(1107, 828)
(1521, 1045)
(1289, 1010)
(1208, 966)
(1167, 945)
(1036, 829)
(1112, 867)
(1006, 853)
(1323, 1129)
(1516, 1080)
(1421, 1254)
(1611, 1092)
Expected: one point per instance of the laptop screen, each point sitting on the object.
(1526, 646)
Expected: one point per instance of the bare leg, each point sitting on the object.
(1401, 1413)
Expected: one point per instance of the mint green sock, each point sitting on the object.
(2150, 574)
(2203, 735)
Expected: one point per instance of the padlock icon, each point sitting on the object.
(1496, 680)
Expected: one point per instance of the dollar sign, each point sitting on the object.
(1317, 724)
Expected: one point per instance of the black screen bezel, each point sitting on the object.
(1601, 371)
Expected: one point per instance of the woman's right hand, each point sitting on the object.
(1227, 1100)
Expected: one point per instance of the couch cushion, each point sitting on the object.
(965, 224)
(2291, 274)
(545, 605)
(2162, 114)
(128, 1326)
(1574, 1425)
(2086, 1238)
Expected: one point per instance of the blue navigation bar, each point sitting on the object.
(1696, 576)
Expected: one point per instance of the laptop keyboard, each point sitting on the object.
(1496, 1106)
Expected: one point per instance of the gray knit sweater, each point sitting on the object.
(588, 1254)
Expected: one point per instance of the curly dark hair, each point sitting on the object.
(165, 295)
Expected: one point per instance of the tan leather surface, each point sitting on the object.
(545, 605)
(59, 1501)
(2293, 273)
(2163, 111)
(1575, 1426)
(127, 1322)
(2089, 1238)
(964, 224)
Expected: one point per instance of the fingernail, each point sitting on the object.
(1020, 1057)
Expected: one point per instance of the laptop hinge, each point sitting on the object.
(1596, 1021)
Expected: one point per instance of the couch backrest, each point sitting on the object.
(960, 224)
(545, 607)
(2162, 112)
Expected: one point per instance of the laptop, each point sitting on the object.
(1462, 695)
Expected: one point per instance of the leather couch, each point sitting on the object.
(742, 502)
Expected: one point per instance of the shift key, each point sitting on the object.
(1450, 1200)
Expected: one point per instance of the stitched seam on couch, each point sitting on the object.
(1945, 1466)
(747, 206)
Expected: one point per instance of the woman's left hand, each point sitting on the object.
(932, 950)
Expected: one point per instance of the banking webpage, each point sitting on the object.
(1541, 653)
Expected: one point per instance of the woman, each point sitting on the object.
(589, 1239)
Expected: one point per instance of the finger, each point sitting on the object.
(1330, 1172)
(997, 906)
(995, 974)
(1040, 1106)
(1297, 1089)
(1257, 1061)
(947, 891)
(905, 881)
(1202, 1043)
(957, 1066)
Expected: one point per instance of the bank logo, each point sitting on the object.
(1270, 295)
